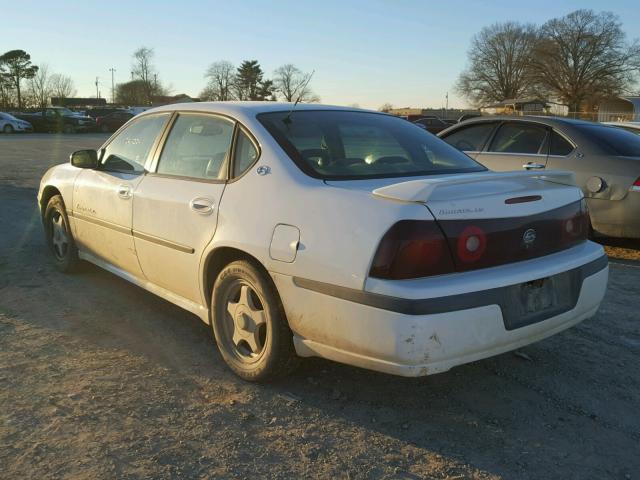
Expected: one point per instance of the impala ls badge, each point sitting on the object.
(529, 237)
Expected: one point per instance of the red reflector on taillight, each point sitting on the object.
(637, 183)
(412, 249)
(471, 244)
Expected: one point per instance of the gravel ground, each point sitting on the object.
(100, 380)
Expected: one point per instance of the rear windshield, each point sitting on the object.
(356, 145)
(618, 141)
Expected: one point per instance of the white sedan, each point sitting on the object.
(310, 230)
(11, 124)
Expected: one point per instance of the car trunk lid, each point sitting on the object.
(490, 219)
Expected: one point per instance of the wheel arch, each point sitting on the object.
(47, 193)
(219, 258)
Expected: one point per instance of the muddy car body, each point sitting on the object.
(327, 231)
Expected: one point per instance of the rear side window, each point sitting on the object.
(129, 150)
(471, 138)
(615, 140)
(346, 144)
(246, 154)
(518, 138)
(559, 145)
(197, 147)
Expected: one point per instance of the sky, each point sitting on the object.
(365, 52)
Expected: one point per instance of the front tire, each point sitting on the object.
(59, 237)
(249, 324)
(69, 129)
(8, 129)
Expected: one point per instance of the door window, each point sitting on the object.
(559, 145)
(471, 138)
(197, 147)
(129, 150)
(518, 138)
(246, 154)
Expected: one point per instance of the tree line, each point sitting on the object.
(224, 81)
(23, 84)
(576, 60)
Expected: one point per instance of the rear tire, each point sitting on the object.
(8, 129)
(59, 237)
(104, 129)
(249, 324)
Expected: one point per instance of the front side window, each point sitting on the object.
(471, 138)
(518, 138)
(357, 145)
(129, 150)
(245, 155)
(197, 147)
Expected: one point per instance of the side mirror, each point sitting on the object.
(85, 159)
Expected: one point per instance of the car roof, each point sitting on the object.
(530, 118)
(249, 108)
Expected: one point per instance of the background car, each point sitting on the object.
(113, 121)
(633, 127)
(58, 119)
(11, 124)
(605, 160)
(431, 124)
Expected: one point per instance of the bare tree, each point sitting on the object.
(62, 86)
(221, 78)
(584, 56)
(144, 70)
(40, 86)
(292, 84)
(385, 107)
(498, 63)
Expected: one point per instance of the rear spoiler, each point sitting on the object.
(419, 191)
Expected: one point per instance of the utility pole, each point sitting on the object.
(113, 86)
(97, 91)
(132, 75)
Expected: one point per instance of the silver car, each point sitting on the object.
(11, 124)
(605, 160)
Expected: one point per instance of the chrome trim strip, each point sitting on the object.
(102, 223)
(128, 231)
(163, 242)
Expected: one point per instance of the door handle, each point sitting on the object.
(533, 166)
(124, 191)
(203, 206)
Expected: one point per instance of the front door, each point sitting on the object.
(102, 198)
(516, 146)
(175, 209)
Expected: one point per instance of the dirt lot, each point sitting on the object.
(100, 379)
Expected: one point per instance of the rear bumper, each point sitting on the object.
(441, 331)
(616, 218)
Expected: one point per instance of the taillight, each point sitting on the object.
(576, 227)
(636, 186)
(471, 244)
(412, 249)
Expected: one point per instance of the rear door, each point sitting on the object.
(517, 145)
(471, 139)
(175, 206)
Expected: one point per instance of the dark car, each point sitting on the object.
(58, 119)
(113, 121)
(431, 124)
(604, 159)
